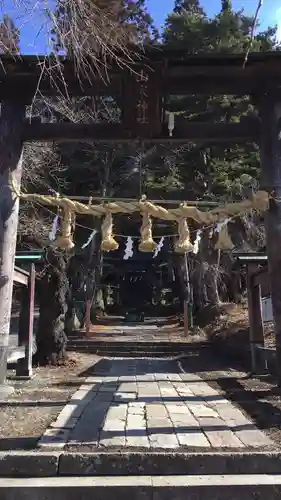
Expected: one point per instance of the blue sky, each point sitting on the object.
(32, 22)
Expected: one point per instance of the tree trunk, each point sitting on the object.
(99, 302)
(183, 278)
(198, 284)
(98, 272)
(95, 259)
(211, 279)
(72, 322)
(211, 257)
(11, 123)
(76, 298)
(98, 257)
(53, 295)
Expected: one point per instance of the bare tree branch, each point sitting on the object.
(260, 2)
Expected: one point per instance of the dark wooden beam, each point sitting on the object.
(227, 84)
(29, 85)
(270, 113)
(182, 56)
(184, 85)
(196, 71)
(170, 58)
(189, 132)
(218, 71)
(181, 73)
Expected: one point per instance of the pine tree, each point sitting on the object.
(190, 5)
(186, 27)
(136, 15)
(226, 6)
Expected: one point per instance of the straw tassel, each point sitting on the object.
(183, 244)
(147, 243)
(224, 241)
(108, 243)
(65, 240)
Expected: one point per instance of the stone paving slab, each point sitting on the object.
(144, 403)
(149, 487)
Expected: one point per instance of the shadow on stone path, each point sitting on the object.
(138, 403)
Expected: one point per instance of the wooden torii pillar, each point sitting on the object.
(270, 114)
(11, 124)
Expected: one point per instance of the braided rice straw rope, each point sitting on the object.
(259, 202)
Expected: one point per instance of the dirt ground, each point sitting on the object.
(36, 403)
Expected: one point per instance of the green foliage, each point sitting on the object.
(214, 172)
(136, 14)
(190, 5)
(187, 26)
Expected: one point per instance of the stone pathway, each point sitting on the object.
(149, 331)
(148, 403)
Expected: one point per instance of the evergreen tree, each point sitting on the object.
(135, 14)
(186, 27)
(190, 5)
(228, 31)
(226, 6)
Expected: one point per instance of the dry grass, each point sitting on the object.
(233, 319)
(233, 325)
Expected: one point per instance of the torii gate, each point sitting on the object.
(142, 93)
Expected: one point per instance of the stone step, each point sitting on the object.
(220, 487)
(108, 353)
(155, 463)
(141, 349)
(51, 463)
(156, 345)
